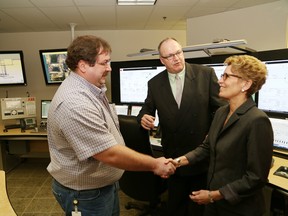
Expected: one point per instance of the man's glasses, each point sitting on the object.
(226, 75)
(171, 56)
(104, 64)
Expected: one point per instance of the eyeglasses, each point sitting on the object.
(171, 56)
(104, 64)
(226, 75)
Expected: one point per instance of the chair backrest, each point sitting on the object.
(5, 205)
(135, 136)
(143, 186)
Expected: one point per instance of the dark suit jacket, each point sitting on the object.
(240, 157)
(185, 128)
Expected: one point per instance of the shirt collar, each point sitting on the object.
(172, 76)
(97, 91)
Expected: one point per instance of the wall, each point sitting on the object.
(122, 42)
(265, 27)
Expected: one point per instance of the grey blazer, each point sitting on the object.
(240, 157)
(185, 128)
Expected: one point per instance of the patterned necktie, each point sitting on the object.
(178, 93)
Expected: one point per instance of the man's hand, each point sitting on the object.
(201, 197)
(205, 196)
(147, 122)
(164, 168)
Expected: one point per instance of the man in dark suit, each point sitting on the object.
(185, 124)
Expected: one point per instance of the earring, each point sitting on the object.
(242, 90)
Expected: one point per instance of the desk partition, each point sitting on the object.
(14, 137)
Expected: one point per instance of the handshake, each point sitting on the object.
(166, 166)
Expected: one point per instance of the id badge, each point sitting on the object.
(76, 213)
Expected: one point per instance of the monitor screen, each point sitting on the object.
(18, 108)
(45, 104)
(12, 70)
(122, 109)
(272, 97)
(133, 83)
(129, 80)
(135, 110)
(54, 66)
(280, 130)
(218, 68)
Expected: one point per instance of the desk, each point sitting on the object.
(38, 140)
(14, 136)
(279, 186)
(5, 205)
(278, 181)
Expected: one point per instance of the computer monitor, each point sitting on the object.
(45, 104)
(133, 83)
(12, 70)
(54, 66)
(218, 68)
(129, 80)
(18, 108)
(272, 97)
(280, 130)
(135, 110)
(122, 109)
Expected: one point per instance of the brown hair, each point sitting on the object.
(249, 68)
(86, 48)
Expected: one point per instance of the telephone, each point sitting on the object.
(27, 123)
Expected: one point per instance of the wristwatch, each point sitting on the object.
(210, 197)
(178, 160)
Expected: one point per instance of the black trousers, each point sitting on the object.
(179, 189)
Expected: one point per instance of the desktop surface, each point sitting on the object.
(17, 134)
(276, 180)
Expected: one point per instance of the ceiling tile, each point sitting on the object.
(62, 18)
(176, 3)
(35, 19)
(97, 16)
(53, 3)
(15, 4)
(55, 15)
(95, 2)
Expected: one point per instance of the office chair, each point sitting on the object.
(141, 186)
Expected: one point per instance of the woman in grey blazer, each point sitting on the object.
(239, 145)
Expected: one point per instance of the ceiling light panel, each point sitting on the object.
(136, 2)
